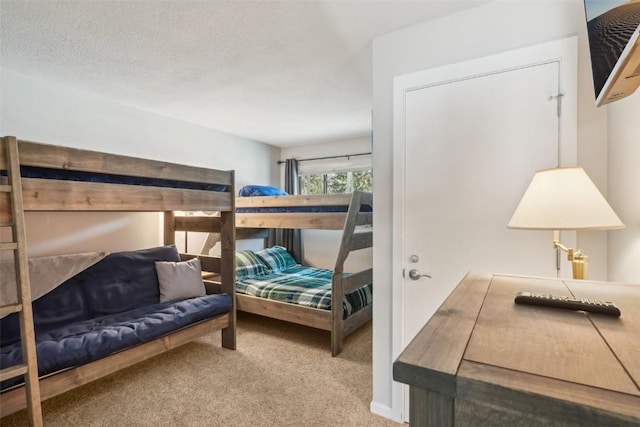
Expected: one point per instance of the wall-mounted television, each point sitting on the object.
(613, 27)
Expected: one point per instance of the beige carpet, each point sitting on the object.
(280, 375)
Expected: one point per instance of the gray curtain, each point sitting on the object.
(289, 238)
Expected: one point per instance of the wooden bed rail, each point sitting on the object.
(202, 224)
(55, 195)
(59, 157)
(294, 200)
(302, 220)
(357, 280)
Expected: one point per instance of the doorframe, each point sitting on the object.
(565, 53)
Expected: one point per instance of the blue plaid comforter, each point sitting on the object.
(310, 287)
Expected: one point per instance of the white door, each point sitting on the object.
(467, 140)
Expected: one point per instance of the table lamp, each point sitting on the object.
(565, 199)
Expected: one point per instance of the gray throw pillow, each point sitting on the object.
(180, 280)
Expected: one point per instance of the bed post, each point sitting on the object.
(336, 313)
(228, 266)
(169, 228)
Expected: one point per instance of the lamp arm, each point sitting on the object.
(571, 253)
(558, 245)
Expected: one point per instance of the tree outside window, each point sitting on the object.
(337, 182)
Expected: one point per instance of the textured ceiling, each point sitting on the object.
(281, 72)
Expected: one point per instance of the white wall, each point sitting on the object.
(624, 188)
(320, 247)
(496, 27)
(48, 113)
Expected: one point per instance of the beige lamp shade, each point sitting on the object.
(564, 199)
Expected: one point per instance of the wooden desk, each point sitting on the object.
(483, 360)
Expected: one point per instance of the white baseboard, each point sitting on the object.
(382, 410)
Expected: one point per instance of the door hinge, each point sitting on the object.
(558, 99)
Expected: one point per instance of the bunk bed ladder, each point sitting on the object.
(11, 193)
(351, 241)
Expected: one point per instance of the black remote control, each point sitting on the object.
(569, 303)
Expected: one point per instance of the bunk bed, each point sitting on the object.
(351, 213)
(57, 178)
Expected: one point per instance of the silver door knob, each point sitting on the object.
(414, 274)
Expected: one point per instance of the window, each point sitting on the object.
(336, 182)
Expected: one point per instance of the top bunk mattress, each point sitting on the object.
(299, 209)
(107, 178)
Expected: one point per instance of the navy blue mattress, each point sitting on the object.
(312, 209)
(83, 342)
(69, 175)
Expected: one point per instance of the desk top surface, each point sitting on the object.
(479, 335)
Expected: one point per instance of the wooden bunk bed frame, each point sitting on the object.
(63, 195)
(356, 234)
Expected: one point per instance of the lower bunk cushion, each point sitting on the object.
(124, 280)
(62, 306)
(85, 341)
(119, 282)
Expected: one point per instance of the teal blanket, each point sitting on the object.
(310, 287)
